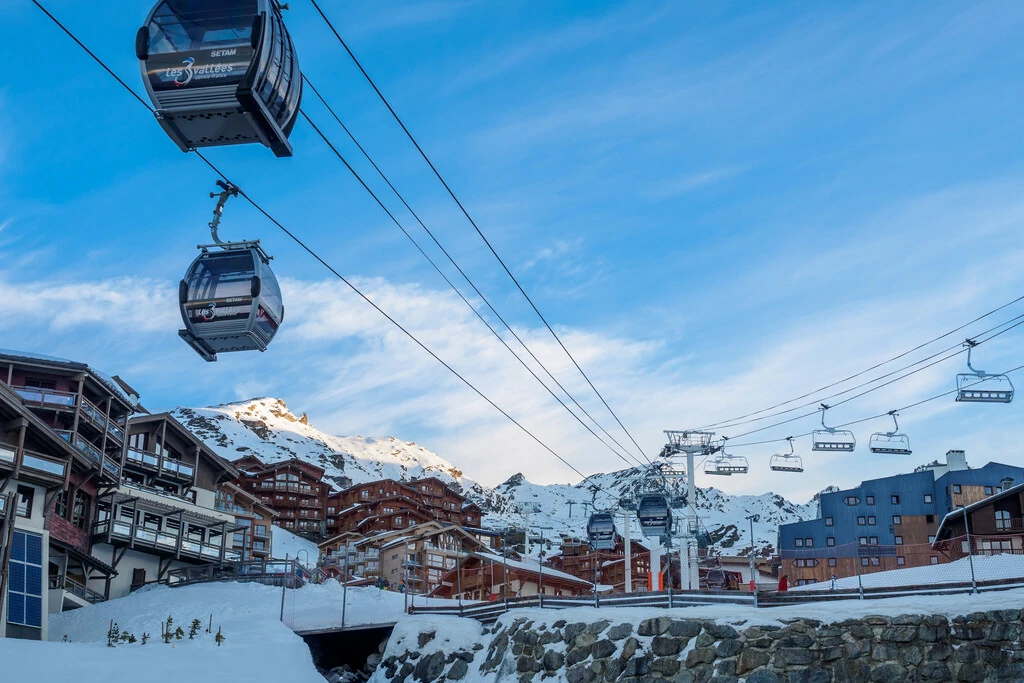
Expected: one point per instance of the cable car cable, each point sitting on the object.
(867, 370)
(395, 220)
(876, 379)
(453, 262)
(472, 222)
(326, 265)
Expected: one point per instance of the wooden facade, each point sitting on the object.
(252, 539)
(387, 505)
(294, 489)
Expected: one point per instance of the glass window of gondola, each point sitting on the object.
(222, 277)
(200, 42)
(270, 294)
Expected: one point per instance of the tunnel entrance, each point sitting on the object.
(358, 650)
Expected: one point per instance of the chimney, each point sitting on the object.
(1006, 484)
(956, 460)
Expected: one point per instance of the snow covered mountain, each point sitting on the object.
(267, 429)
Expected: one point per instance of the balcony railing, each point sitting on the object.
(159, 539)
(150, 460)
(76, 588)
(178, 467)
(33, 461)
(99, 418)
(46, 397)
(91, 452)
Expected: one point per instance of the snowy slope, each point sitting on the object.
(266, 428)
(258, 647)
(287, 546)
(986, 568)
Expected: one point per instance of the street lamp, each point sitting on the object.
(970, 549)
(753, 575)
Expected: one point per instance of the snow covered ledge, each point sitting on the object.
(924, 638)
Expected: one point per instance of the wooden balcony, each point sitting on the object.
(98, 418)
(46, 398)
(110, 467)
(45, 466)
(163, 467)
(120, 532)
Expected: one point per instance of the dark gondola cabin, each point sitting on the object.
(221, 72)
(230, 301)
(601, 531)
(655, 516)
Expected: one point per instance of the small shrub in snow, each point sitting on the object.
(194, 629)
(145, 637)
(178, 633)
(219, 637)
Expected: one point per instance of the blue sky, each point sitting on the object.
(720, 205)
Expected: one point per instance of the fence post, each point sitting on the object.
(970, 550)
(284, 586)
(344, 588)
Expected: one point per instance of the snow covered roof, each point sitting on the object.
(102, 377)
(533, 567)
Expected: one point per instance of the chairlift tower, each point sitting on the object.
(691, 443)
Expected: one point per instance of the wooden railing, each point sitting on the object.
(76, 588)
(31, 460)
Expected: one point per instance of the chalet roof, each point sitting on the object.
(282, 464)
(115, 387)
(440, 481)
(184, 432)
(529, 567)
(990, 500)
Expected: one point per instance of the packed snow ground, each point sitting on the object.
(258, 647)
(319, 607)
(453, 633)
(986, 568)
(287, 546)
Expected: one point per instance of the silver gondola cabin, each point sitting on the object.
(601, 531)
(221, 72)
(230, 299)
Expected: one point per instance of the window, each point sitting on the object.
(60, 506)
(1002, 519)
(899, 540)
(870, 500)
(988, 490)
(798, 542)
(40, 384)
(934, 560)
(931, 538)
(851, 500)
(956, 489)
(830, 541)
(137, 441)
(80, 513)
(928, 497)
(930, 519)
(900, 560)
(26, 495)
(874, 561)
(863, 540)
(829, 521)
(809, 542)
(863, 561)
(895, 500)
(873, 540)
(364, 494)
(25, 591)
(831, 561)
(871, 520)
(896, 519)
(861, 521)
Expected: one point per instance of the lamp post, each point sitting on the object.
(540, 573)
(970, 549)
(753, 575)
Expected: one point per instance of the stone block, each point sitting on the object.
(725, 667)
(831, 654)
(629, 648)
(913, 656)
(464, 656)
(583, 640)
(876, 620)
(763, 676)
(598, 666)
(728, 648)
(425, 638)
(900, 634)
(858, 648)
(577, 655)
(621, 631)
(573, 630)
(699, 655)
(721, 631)
(528, 665)
(1004, 615)
(934, 671)
(635, 667)
(549, 637)
(430, 667)
(579, 674)
(553, 660)
(971, 673)
(558, 624)
(684, 629)
(684, 676)
(602, 649)
(965, 654)
(861, 631)
(655, 626)
(884, 653)
(458, 671)
(665, 646)
(751, 659)
(793, 656)
(598, 627)
(887, 673)
(810, 675)
(704, 640)
(665, 666)
(614, 669)
(936, 620)
(939, 652)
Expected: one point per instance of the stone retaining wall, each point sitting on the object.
(984, 646)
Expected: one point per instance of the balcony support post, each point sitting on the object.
(20, 453)
(181, 534)
(135, 520)
(78, 408)
(224, 541)
(106, 431)
(162, 447)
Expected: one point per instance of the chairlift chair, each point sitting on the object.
(627, 503)
(787, 462)
(601, 531)
(891, 443)
(711, 467)
(655, 516)
(978, 386)
(832, 439)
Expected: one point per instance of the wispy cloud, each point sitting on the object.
(673, 187)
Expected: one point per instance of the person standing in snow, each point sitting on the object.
(833, 580)
(784, 583)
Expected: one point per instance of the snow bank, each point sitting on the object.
(258, 647)
(986, 568)
(287, 546)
